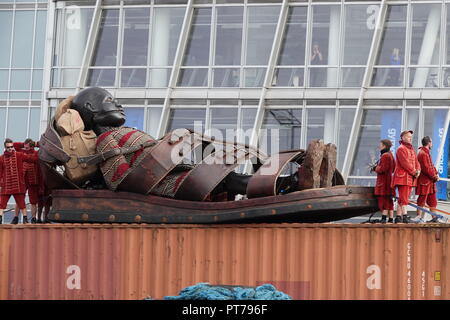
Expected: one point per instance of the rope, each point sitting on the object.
(205, 291)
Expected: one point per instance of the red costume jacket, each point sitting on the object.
(12, 174)
(384, 171)
(426, 183)
(406, 166)
(32, 171)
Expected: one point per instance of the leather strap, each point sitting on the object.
(205, 177)
(263, 182)
(163, 158)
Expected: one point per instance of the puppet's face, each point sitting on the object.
(97, 107)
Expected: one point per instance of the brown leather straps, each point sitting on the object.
(162, 158)
(50, 147)
(263, 182)
(203, 179)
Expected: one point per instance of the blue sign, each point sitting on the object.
(391, 121)
(438, 132)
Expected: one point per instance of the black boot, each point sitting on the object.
(15, 220)
(33, 220)
(25, 220)
(1, 219)
(390, 220)
(405, 219)
(383, 219)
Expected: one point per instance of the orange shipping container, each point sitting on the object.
(307, 261)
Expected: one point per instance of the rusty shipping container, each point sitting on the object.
(307, 261)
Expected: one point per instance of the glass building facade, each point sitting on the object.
(348, 72)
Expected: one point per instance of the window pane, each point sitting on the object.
(248, 116)
(159, 78)
(187, 118)
(360, 23)
(352, 77)
(254, 77)
(325, 36)
(135, 118)
(193, 78)
(226, 77)
(2, 123)
(39, 47)
(17, 124)
(376, 125)
(72, 33)
(69, 78)
(35, 115)
(294, 40)
(167, 24)
(101, 77)
(387, 77)
(284, 123)
(5, 38)
(320, 125)
(197, 50)
(412, 123)
(153, 117)
(447, 59)
(323, 77)
(20, 79)
(345, 126)
(424, 77)
(287, 77)
(4, 75)
(229, 35)
(135, 38)
(224, 124)
(425, 34)
(262, 22)
(23, 39)
(133, 78)
(37, 80)
(106, 46)
(392, 46)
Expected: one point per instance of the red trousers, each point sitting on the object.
(33, 194)
(430, 199)
(385, 203)
(19, 197)
(403, 194)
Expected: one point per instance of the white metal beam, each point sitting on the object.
(90, 46)
(182, 42)
(373, 53)
(46, 81)
(273, 58)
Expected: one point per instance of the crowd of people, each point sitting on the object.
(396, 177)
(19, 175)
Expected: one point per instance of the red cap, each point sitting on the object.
(406, 131)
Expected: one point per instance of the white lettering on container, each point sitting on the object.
(374, 281)
(74, 280)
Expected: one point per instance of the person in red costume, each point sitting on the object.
(33, 180)
(407, 170)
(383, 189)
(12, 178)
(426, 184)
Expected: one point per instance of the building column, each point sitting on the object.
(428, 44)
(160, 47)
(328, 124)
(333, 46)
